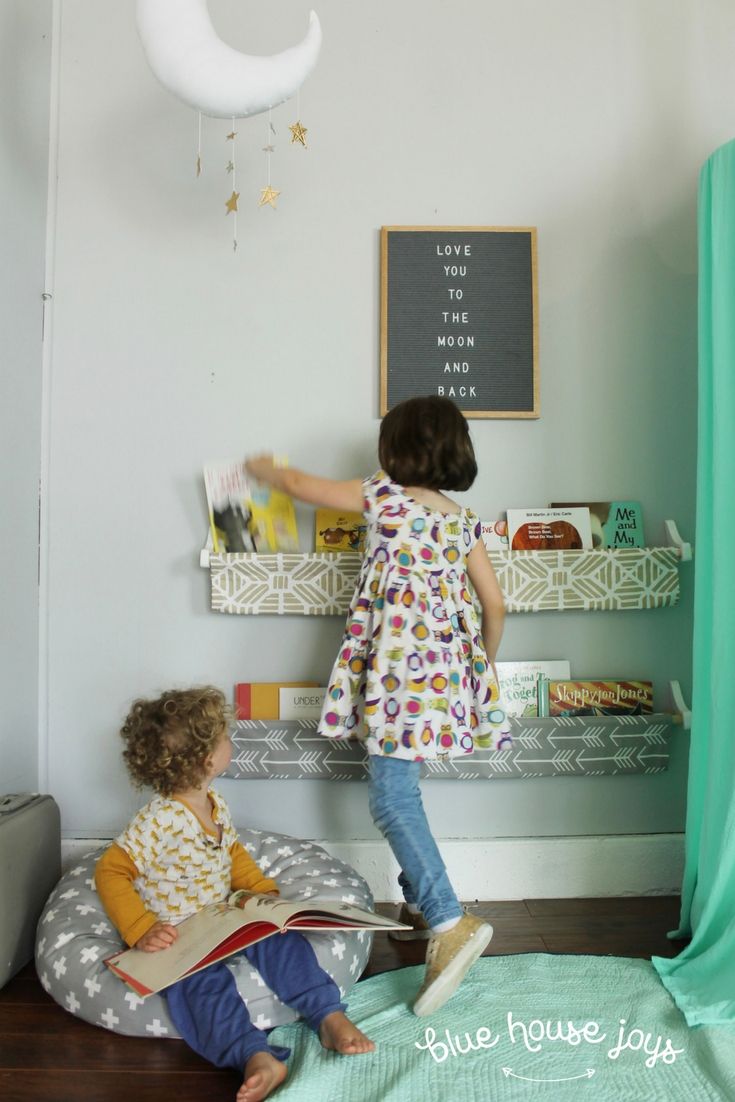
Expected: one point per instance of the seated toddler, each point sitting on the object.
(181, 852)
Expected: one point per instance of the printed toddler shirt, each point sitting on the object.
(181, 868)
(412, 677)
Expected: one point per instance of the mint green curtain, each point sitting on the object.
(702, 978)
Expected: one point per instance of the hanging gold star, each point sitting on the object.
(231, 136)
(231, 203)
(298, 133)
(268, 195)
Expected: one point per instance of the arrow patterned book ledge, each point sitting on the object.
(588, 746)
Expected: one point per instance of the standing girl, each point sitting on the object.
(415, 675)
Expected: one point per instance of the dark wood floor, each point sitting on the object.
(47, 1055)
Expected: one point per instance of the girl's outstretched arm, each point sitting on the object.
(326, 492)
(490, 596)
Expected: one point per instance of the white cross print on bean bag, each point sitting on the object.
(75, 936)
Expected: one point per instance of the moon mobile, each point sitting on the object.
(191, 61)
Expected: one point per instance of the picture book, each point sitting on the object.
(518, 683)
(339, 531)
(221, 929)
(245, 515)
(549, 529)
(495, 535)
(614, 523)
(261, 699)
(272, 519)
(594, 698)
(228, 495)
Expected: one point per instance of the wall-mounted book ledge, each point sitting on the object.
(550, 747)
(591, 746)
(322, 584)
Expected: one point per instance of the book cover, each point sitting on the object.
(300, 703)
(595, 698)
(518, 683)
(261, 699)
(495, 535)
(339, 531)
(228, 506)
(221, 929)
(247, 516)
(272, 519)
(549, 529)
(613, 523)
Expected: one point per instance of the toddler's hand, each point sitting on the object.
(160, 936)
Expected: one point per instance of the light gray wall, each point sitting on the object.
(588, 120)
(25, 52)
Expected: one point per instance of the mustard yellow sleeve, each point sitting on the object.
(246, 874)
(114, 876)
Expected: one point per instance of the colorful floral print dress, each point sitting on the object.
(412, 676)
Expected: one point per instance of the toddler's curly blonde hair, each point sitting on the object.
(170, 740)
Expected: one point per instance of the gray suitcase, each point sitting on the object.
(30, 865)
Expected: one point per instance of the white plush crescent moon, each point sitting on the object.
(193, 62)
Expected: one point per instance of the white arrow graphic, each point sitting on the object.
(586, 1075)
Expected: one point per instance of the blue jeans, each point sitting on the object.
(210, 1013)
(398, 813)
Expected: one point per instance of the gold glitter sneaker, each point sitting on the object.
(449, 957)
(419, 930)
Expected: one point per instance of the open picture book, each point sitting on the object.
(221, 929)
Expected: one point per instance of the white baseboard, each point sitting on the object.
(515, 868)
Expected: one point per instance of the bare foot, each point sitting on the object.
(263, 1073)
(337, 1032)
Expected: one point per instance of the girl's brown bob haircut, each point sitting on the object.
(426, 442)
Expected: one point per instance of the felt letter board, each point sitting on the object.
(459, 318)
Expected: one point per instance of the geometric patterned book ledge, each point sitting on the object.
(588, 746)
(322, 584)
(307, 585)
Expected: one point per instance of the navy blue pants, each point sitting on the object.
(211, 1016)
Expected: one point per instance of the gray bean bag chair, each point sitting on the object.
(75, 936)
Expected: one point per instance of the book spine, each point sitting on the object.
(542, 695)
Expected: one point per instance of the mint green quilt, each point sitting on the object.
(533, 1026)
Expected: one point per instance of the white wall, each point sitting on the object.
(588, 120)
(25, 51)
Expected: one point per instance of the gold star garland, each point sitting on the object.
(298, 133)
(268, 194)
(231, 203)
